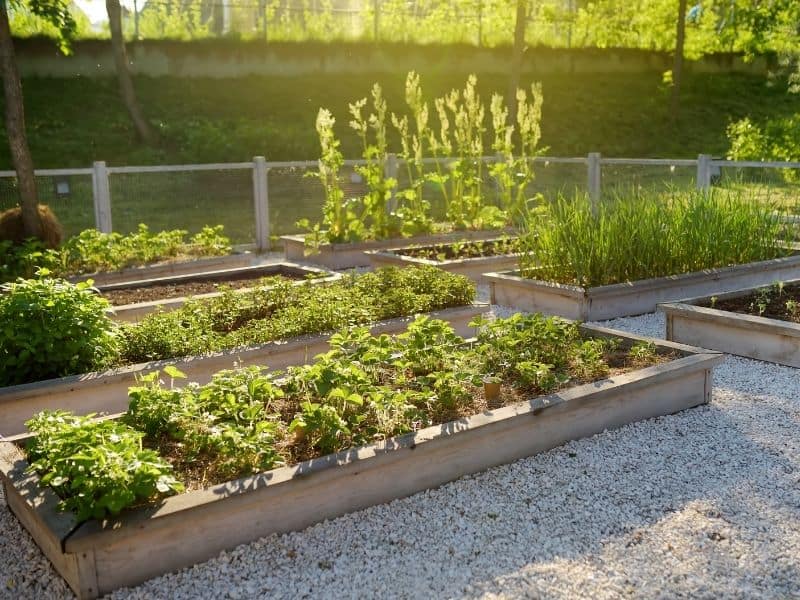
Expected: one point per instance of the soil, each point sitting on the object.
(770, 302)
(190, 288)
(465, 249)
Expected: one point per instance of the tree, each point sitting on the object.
(677, 69)
(516, 57)
(57, 13)
(126, 90)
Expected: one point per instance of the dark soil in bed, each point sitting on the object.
(460, 250)
(189, 288)
(773, 302)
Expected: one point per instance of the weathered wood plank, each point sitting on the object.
(750, 336)
(35, 506)
(170, 268)
(133, 312)
(348, 256)
(633, 298)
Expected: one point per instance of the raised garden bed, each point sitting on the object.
(632, 298)
(96, 557)
(172, 268)
(135, 299)
(760, 323)
(107, 391)
(349, 256)
(469, 258)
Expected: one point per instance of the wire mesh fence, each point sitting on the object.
(185, 200)
(477, 22)
(191, 196)
(68, 196)
(774, 185)
(646, 179)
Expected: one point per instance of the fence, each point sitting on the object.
(479, 22)
(259, 199)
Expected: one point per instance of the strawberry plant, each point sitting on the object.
(98, 467)
(365, 388)
(91, 251)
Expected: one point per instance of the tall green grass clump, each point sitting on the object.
(637, 236)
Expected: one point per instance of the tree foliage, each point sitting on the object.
(54, 17)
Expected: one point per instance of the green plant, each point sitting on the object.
(23, 260)
(283, 311)
(464, 201)
(229, 423)
(793, 308)
(210, 241)
(382, 223)
(762, 300)
(639, 236)
(51, 328)
(98, 467)
(338, 217)
(92, 250)
(514, 174)
(642, 352)
(414, 212)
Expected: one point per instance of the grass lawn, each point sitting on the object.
(74, 122)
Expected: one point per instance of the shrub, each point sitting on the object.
(777, 139)
(51, 328)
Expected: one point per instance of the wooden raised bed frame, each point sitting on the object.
(636, 297)
(349, 256)
(107, 391)
(474, 268)
(166, 269)
(98, 557)
(761, 338)
(133, 312)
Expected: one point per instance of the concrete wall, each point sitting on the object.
(226, 58)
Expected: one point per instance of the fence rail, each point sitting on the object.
(254, 199)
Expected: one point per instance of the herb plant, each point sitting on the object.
(51, 328)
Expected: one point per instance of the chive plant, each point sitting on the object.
(639, 236)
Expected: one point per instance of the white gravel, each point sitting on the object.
(703, 504)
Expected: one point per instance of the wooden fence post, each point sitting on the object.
(594, 179)
(101, 194)
(703, 171)
(261, 202)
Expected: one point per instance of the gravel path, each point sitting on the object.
(701, 504)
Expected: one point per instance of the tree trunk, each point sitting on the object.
(677, 69)
(15, 129)
(143, 129)
(516, 58)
